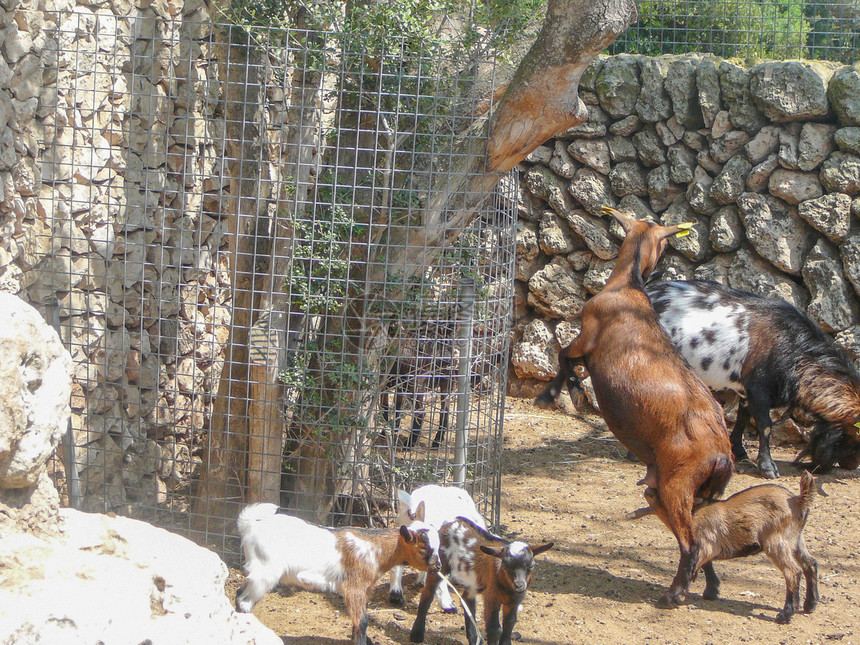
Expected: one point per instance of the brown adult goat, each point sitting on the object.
(650, 398)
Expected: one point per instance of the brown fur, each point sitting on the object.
(501, 581)
(768, 518)
(829, 397)
(394, 547)
(650, 398)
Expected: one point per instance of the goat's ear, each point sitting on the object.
(406, 534)
(537, 550)
(404, 499)
(496, 552)
(418, 514)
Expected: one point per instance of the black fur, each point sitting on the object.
(795, 341)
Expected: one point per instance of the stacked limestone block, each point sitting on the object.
(115, 186)
(765, 162)
(132, 172)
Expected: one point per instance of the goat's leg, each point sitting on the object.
(471, 616)
(258, 583)
(581, 346)
(418, 414)
(509, 619)
(676, 499)
(810, 571)
(759, 405)
(494, 631)
(355, 598)
(424, 602)
(737, 435)
(792, 586)
(395, 593)
(445, 600)
(444, 413)
(712, 582)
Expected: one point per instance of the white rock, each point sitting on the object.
(35, 386)
(117, 580)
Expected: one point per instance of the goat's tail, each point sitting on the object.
(807, 492)
(716, 482)
(252, 514)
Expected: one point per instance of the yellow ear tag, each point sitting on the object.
(857, 425)
(685, 229)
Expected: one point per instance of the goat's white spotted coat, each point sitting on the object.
(711, 334)
(442, 504)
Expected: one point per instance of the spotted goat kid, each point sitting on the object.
(284, 549)
(441, 504)
(773, 354)
(482, 563)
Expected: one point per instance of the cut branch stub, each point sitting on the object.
(543, 97)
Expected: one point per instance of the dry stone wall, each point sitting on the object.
(116, 180)
(764, 161)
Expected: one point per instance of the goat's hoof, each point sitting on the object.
(396, 599)
(768, 471)
(450, 610)
(416, 637)
(516, 637)
(783, 618)
(809, 606)
(545, 401)
(669, 601)
(711, 593)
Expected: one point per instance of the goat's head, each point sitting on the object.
(420, 545)
(517, 562)
(648, 238)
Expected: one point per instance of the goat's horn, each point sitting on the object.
(684, 229)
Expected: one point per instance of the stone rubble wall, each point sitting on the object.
(114, 187)
(764, 161)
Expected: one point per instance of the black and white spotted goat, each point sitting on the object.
(773, 354)
(486, 564)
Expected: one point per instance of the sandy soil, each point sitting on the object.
(567, 480)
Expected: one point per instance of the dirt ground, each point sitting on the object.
(567, 480)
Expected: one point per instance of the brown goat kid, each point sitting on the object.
(767, 518)
(649, 397)
(484, 564)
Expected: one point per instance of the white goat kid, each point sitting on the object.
(287, 550)
(441, 504)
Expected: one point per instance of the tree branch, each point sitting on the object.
(543, 97)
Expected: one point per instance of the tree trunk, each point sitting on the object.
(541, 100)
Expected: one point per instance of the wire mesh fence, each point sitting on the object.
(774, 29)
(235, 220)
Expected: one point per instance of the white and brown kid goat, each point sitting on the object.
(486, 564)
(772, 353)
(287, 550)
(649, 397)
(441, 504)
(767, 518)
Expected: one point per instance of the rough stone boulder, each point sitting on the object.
(70, 577)
(791, 90)
(35, 386)
(117, 580)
